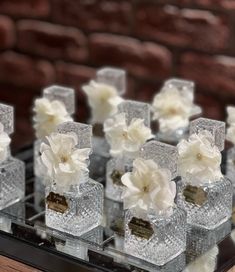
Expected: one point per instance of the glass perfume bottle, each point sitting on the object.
(122, 163)
(156, 234)
(74, 204)
(12, 170)
(173, 107)
(203, 192)
(48, 117)
(113, 85)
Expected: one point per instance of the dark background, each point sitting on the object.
(64, 41)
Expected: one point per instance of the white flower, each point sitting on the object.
(199, 158)
(4, 143)
(103, 100)
(48, 115)
(124, 139)
(173, 108)
(231, 122)
(148, 187)
(65, 163)
(204, 263)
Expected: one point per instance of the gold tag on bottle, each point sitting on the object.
(195, 195)
(116, 177)
(57, 202)
(140, 228)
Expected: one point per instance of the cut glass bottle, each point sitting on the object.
(208, 205)
(118, 166)
(152, 237)
(12, 170)
(79, 209)
(174, 136)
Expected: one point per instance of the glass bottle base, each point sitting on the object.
(78, 211)
(158, 242)
(206, 207)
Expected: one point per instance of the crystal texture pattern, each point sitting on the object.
(216, 128)
(210, 206)
(167, 241)
(12, 170)
(230, 166)
(82, 204)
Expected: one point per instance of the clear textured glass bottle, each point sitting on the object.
(67, 97)
(79, 209)
(209, 204)
(148, 235)
(12, 170)
(174, 136)
(155, 239)
(230, 166)
(118, 166)
(116, 78)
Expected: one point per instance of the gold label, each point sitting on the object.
(118, 226)
(116, 177)
(195, 195)
(140, 228)
(57, 202)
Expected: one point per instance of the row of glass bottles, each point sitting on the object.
(115, 169)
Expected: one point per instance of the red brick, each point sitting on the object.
(182, 27)
(22, 71)
(51, 41)
(215, 74)
(75, 76)
(7, 32)
(140, 59)
(93, 15)
(227, 4)
(25, 8)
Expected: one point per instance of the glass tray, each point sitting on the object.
(24, 237)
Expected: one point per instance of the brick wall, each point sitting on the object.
(64, 41)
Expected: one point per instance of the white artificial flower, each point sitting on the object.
(205, 262)
(148, 187)
(199, 158)
(65, 163)
(230, 136)
(173, 108)
(103, 100)
(124, 139)
(48, 115)
(4, 143)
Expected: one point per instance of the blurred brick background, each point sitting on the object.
(64, 41)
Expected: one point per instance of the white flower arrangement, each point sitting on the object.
(65, 164)
(173, 108)
(4, 143)
(103, 100)
(148, 187)
(199, 159)
(230, 136)
(48, 115)
(124, 139)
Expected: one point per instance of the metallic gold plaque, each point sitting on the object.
(140, 228)
(116, 177)
(57, 202)
(195, 195)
